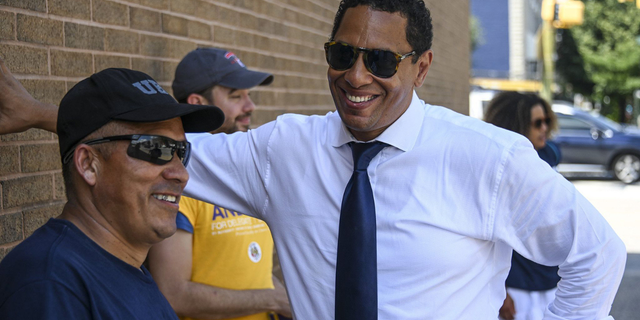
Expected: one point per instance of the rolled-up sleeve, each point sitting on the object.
(545, 219)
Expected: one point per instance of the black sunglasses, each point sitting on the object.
(381, 63)
(538, 123)
(150, 148)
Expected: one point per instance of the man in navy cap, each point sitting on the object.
(123, 151)
(391, 208)
(219, 262)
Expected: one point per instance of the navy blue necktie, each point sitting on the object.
(356, 266)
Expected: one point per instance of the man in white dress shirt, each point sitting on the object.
(453, 195)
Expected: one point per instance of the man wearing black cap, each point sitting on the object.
(123, 150)
(391, 208)
(219, 262)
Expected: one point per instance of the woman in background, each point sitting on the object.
(530, 286)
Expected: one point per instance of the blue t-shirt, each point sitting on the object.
(526, 274)
(59, 273)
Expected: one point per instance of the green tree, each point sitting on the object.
(570, 67)
(609, 52)
(476, 34)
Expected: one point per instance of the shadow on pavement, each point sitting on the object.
(626, 305)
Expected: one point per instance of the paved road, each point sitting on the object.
(620, 205)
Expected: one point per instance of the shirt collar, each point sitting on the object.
(402, 134)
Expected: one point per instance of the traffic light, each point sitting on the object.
(637, 2)
(563, 13)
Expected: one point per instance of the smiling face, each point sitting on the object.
(137, 198)
(538, 136)
(367, 104)
(236, 105)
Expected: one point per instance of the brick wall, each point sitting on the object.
(50, 45)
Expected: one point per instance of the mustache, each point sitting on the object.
(173, 188)
(246, 114)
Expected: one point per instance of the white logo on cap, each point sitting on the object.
(149, 87)
(234, 59)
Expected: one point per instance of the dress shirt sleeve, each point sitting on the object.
(545, 219)
(230, 170)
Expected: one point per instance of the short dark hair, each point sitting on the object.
(207, 93)
(109, 129)
(512, 111)
(419, 31)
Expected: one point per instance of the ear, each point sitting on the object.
(424, 62)
(87, 164)
(198, 99)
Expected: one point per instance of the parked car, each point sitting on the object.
(593, 142)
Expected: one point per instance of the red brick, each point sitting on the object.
(83, 37)
(148, 66)
(165, 47)
(58, 185)
(27, 190)
(121, 41)
(225, 15)
(29, 135)
(49, 91)
(168, 71)
(199, 30)
(109, 12)
(71, 64)
(35, 5)
(10, 160)
(40, 157)
(156, 4)
(104, 61)
(189, 7)
(35, 218)
(144, 19)
(7, 25)
(224, 35)
(79, 9)
(247, 21)
(39, 30)
(10, 227)
(175, 25)
(25, 59)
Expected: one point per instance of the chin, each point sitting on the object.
(166, 231)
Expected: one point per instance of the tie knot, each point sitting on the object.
(364, 152)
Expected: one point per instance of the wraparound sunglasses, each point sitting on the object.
(381, 63)
(151, 148)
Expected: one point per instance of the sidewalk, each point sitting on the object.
(626, 306)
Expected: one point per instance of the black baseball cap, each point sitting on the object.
(127, 95)
(204, 68)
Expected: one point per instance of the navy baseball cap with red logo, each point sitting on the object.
(126, 95)
(204, 68)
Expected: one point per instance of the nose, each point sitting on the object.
(544, 127)
(175, 171)
(358, 75)
(248, 106)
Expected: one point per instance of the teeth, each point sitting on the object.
(165, 197)
(358, 98)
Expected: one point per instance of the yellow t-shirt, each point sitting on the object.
(230, 250)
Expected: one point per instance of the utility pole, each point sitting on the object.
(556, 14)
